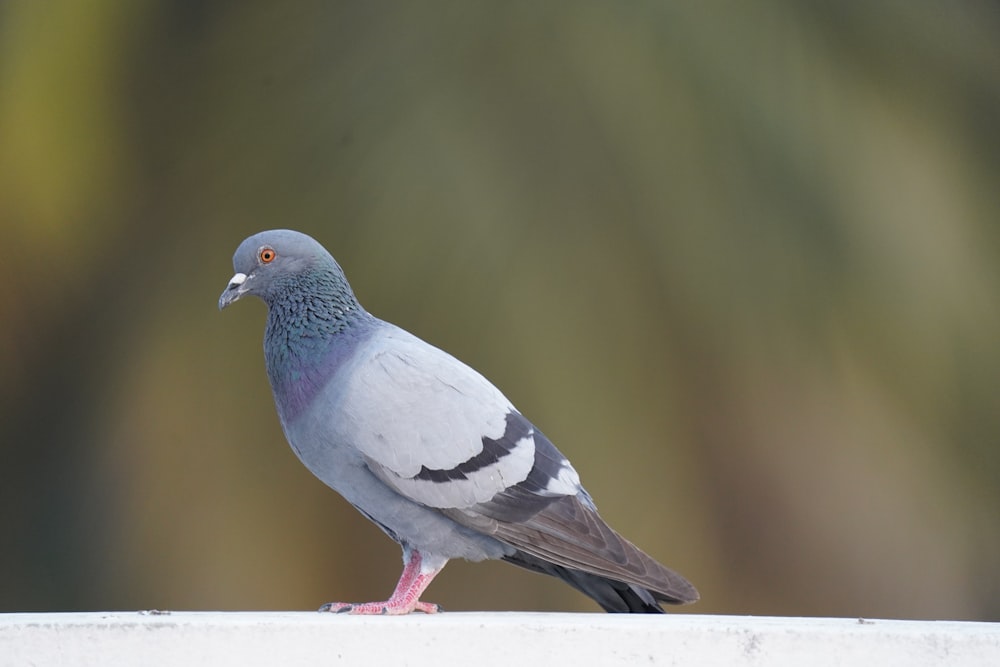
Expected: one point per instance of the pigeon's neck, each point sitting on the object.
(311, 327)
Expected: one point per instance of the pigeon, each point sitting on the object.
(423, 445)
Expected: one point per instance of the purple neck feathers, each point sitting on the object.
(312, 329)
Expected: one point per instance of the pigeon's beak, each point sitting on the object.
(234, 290)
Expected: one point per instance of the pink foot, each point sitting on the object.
(387, 608)
(405, 599)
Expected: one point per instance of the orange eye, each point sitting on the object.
(267, 255)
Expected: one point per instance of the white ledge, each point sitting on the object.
(249, 639)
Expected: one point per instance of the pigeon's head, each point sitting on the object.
(268, 263)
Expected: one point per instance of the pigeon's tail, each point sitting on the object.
(613, 596)
(570, 541)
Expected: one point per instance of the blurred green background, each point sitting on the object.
(740, 261)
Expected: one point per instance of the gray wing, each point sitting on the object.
(438, 432)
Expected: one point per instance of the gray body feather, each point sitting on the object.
(359, 435)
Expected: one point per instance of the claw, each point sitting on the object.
(404, 600)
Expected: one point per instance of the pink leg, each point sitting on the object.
(406, 597)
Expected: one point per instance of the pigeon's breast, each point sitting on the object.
(302, 375)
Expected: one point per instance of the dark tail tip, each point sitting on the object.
(613, 596)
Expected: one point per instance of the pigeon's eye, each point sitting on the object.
(267, 255)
